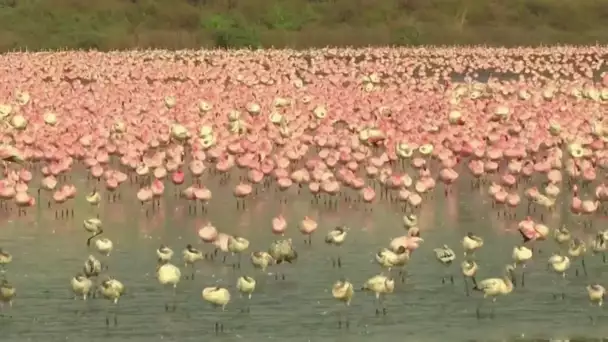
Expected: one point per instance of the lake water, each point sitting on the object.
(48, 252)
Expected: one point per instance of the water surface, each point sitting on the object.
(48, 252)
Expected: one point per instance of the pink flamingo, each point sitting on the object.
(279, 225)
(307, 227)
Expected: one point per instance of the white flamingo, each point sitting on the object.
(336, 237)
(219, 297)
(94, 227)
(494, 287)
(191, 256)
(343, 291)
(380, 285)
(81, 286)
(169, 274)
(246, 286)
(112, 289)
(445, 255)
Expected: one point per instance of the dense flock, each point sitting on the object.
(350, 129)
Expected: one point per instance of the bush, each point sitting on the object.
(228, 32)
(174, 24)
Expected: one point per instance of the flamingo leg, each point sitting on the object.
(116, 314)
(478, 308)
(583, 265)
(174, 298)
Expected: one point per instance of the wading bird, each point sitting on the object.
(521, 255)
(469, 270)
(261, 260)
(219, 297)
(164, 253)
(169, 274)
(5, 259)
(494, 287)
(7, 293)
(246, 286)
(445, 255)
(596, 294)
(343, 291)
(380, 285)
(81, 286)
(577, 249)
(104, 246)
(237, 245)
(92, 267)
(191, 256)
(389, 259)
(282, 251)
(336, 237)
(562, 235)
(112, 289)
(410, 221)
(94, 198)
(92, 226)
(560, 264)
(471, 243)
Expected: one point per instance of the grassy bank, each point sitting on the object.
(173, 24)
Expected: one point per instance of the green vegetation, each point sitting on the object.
(174, 24)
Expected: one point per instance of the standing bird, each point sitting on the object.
(219, 297)
(469, 270)
(81, 286)
(112, 289)
(380, 285)
(409, 221)
(169, 274)
(389, 259)
(343, 291)
(471, 243)
(562, 235)
(307, 227)
(237, 245)
(445, 255)
(5, 259)
(164, 253)
(336, 237)
(92, 267)
(246, 286)
(560, 264)
(495, 287)
(93, 226)
(93, 198)
(596, 294)
(104, 246)
(282, 251)
(521, 255)
(7, 293)
(261, 260)
(191, 255)
(577, 249)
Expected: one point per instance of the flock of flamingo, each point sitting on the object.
(354, 128)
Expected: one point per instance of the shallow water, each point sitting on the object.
(48, 252)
